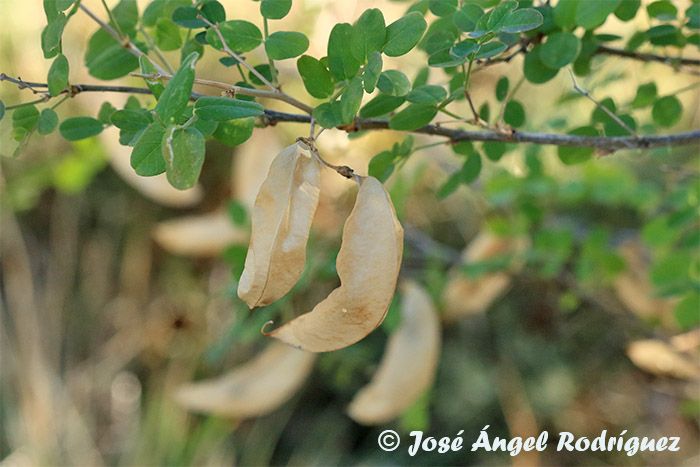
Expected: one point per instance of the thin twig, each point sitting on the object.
(233, 54)
(236, 90)
(343, 170)
(601, 106)
(158, 53)
(606, 143)
(645, 57)
(126, 43)
(508, 97)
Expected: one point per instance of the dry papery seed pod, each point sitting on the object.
(282, 215)
(253, 389)
(368, 266)
(465, 296)
(409, 363)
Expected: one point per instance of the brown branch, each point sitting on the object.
(645, 57)
(272, 117)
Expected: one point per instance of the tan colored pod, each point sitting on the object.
(659, 358)
(368, 265)
(254, 389)
(409, 363)
(282, 215)
(203, 235)
(465, 296)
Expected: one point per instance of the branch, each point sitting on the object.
(272, 117)
(647, 57)
(605, 143)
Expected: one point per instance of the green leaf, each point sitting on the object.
(664, 34)
(51, 35)
(58, 75)
(667, 111)
(464, 48)
(221, 109)
(560, 49)
(381, 166)
(147, 155)
(627, 9)
(693, 15)
(687, 312)
(275, 9)
(565, 13)
(329, 114)
(183, 151)
(514, 114)
(467, 17)
(283, 44)
(186, 17)
(105, 113)
(130, 120)
(471, 168)
(671, 269)
(241, 36)
(167, 35)
(381, 105)
(494, 150)
(394, 83)
(77, 128)
(193, 46)
(646, 95)
(48, 120)
(352, 99)
(535, 70)
(263, 70)
(601, 116)
(155, 85)
(502, 88)
(316, 78)
(590, 15)
(427, 94)
(107, 59)
(403, 34)
(214, 11)
(177, 93)
(25, 117)
(570, 155)
(463, 147)
(489, 50)
(235, 132)
(369, 34)
(2, 110)
(499, 14)
(450, 186)
(341, 61)
(372, 70)
(442, 7)
(126, 14)
(662, 10)
(413, 117)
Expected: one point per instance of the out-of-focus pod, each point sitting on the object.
(409, 363)
(204, 235)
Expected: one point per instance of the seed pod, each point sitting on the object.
(409, 363)
(368, 266)
(202, 235)
(282, 216)
(659, 358)
(254, 389)
(467, 296)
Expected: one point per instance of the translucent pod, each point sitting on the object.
(409, 363)
(254, 389)
(282, 215)
(368, 266)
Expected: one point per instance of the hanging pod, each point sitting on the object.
(282, 215)
(409, 363)
(255, 388)
(368, 266)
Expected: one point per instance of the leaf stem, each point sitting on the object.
(155, 49)
(273, 70)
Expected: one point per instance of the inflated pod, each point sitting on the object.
(282, 215)
(368, 266)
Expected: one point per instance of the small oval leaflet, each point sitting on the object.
(282, 216)
(368, 265)
(409, 363)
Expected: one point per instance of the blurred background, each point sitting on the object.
(117, 290)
